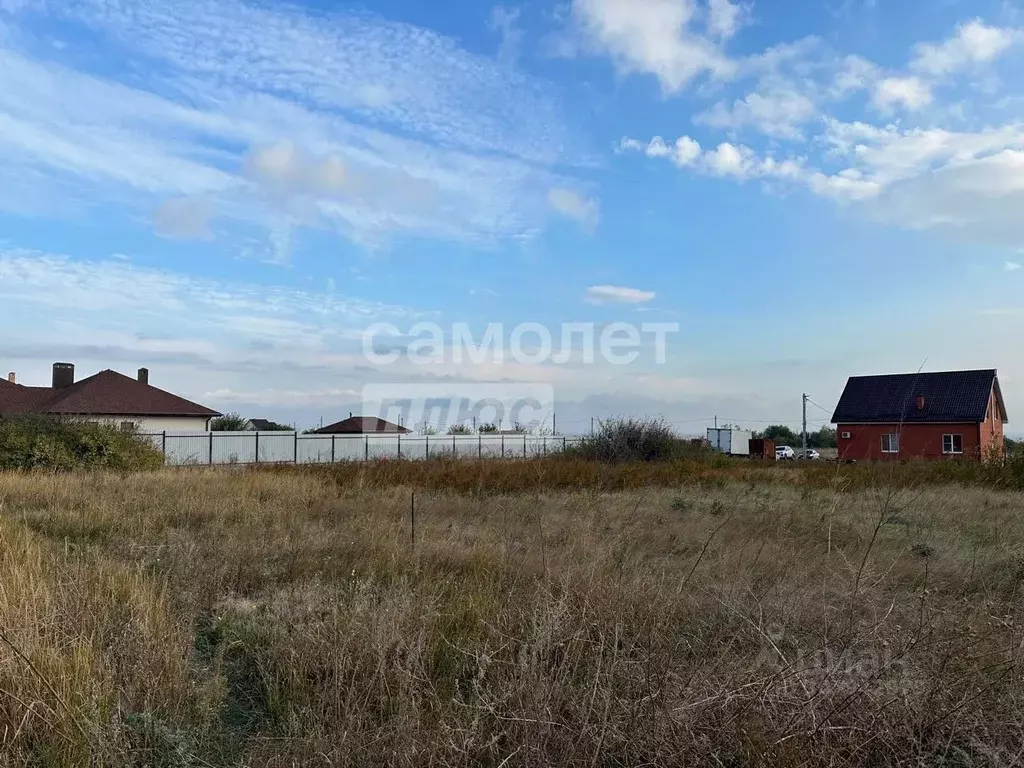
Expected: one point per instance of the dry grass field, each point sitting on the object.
(242, 618)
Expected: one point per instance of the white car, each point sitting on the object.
(811, 455)
(784, 453)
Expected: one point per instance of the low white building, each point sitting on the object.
(107, 396)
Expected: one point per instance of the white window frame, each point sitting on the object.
(952, 444)
(892, 439)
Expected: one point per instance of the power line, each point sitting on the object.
(826, 410)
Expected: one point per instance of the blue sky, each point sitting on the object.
(230, 192)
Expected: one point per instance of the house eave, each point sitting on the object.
(897, 423)
(94, 414)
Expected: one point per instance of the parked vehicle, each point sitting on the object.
(784, 453)
(733, 442)
(810, 455)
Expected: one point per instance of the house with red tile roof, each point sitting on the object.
(107, 396)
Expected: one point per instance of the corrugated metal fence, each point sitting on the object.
(191, 448)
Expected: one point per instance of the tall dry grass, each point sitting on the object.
(257, 618)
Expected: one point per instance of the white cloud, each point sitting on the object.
(1011, 266)
(777, 111)
(973, 43)
(655, 37)
(737, 161)
(971, 184)
(724, 18)
(505, 21)
(978, 198)
(574, 206)
(684, 152)
(379, 127)
(848, 184)
(908, 92)
(616, 294)
(854, 74)
(892, 154)
(183, 217)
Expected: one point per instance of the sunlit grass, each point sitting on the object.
(681, 615)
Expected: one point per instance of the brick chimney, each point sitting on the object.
(63, 375)
(920, 403)
(12, 377)
(143, 375)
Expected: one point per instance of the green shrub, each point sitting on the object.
(64, 444)
(230, 422)
(637, 440)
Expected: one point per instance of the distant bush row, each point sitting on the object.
(618, 440)
(41, 442)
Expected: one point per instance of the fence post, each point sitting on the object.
(211, 447)
(455, 451)
(333, 443)
(479, 445)
(163, 446)
(366, 451)
(295, 449)
(545, 445)
(503, 446)
(524, 445)
(257, 446)
(426, 439)
(399, 445)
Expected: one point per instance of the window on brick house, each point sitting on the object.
(952, 443)
(891, 443)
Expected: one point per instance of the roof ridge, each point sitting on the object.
(958, 395)
(925, 373)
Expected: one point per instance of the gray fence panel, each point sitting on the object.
(217, 448)
(234, 448)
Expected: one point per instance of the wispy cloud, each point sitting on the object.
(505, 21)
(1011, 266)
(575, 206)
(183, 217)
(617, 294)
(383, 127)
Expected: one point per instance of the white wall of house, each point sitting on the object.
(158, 423)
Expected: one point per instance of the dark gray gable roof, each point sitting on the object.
(950, 396)
(361, 425)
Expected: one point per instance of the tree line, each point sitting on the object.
(783, 435)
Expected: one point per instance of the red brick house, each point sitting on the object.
(947, 415)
